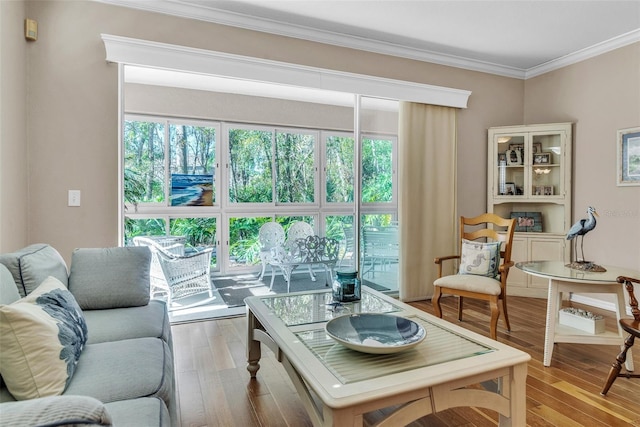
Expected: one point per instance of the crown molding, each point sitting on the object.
(223, 17)
(581, 55)
(146, 53)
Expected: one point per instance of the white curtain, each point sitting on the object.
(427, 200)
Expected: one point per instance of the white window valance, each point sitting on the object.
(146, 53)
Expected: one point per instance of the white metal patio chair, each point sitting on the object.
(298, 230)
(175, 274)
(270, 236)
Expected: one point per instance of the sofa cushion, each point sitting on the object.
(42, 337)
(110, 277)
(8, 290)
(56, 411)
(31, 265)
(482, 259)
(126, 369)
(117, 324)
(146, 411)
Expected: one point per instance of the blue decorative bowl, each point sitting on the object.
(375, 333)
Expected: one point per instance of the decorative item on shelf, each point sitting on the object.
(514, 157)
(509, 189)
(542, 159)
(528, 221)
(346, 286)
(582, 319)
(580, 228)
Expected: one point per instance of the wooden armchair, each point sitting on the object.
(484, 241)
(632, 326)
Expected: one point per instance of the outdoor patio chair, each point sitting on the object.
(270, 236)
(177, 275)
(298, 230)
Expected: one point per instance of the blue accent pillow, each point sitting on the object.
(41, 337)
(480, 258)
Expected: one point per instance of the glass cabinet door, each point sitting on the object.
(546, 154)
(510, 164)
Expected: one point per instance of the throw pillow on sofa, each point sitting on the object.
(31, 265)
(41, 336)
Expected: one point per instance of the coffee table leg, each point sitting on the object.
(552, 313)
(254, 351)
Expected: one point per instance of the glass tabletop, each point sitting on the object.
(301, 309)
(558, 269)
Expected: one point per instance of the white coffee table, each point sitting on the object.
(429, 378)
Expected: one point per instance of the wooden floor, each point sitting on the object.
(215, 389)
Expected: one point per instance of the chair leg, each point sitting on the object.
(264, 266)
(460, 300)
(504, 311)
(436, 301)
(617, 365)
(495, 314)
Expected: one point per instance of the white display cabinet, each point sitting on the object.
(529, 178)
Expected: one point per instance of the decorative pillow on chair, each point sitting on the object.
(479, 258)
(41, 337)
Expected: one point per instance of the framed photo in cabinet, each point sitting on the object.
(542, 158)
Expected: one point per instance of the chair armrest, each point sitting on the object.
(506, 266)
(55, 411)
(438, 260)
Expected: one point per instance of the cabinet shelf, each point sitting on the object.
(537, 187)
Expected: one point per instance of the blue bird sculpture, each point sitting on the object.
(582, 227)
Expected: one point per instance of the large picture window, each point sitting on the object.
(176, 171)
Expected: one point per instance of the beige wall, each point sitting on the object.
(13, 127)
(600, 95)
(72, 109)
(72, 119)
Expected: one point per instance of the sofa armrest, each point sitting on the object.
(55, 411)
(103, 278)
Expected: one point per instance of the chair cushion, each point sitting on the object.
(41, 337)
(480, 258)
(471, 283)
(110, 277)
(31, 265)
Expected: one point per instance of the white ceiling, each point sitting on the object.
(508, 37)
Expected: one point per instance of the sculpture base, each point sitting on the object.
(586, 266)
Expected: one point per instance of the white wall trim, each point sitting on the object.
(223, 17)
(581, 55)
(146, 53)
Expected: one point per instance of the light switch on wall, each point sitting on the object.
(74, 197)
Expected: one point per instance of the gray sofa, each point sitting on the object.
(123, 373)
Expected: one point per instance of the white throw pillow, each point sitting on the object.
(41, 337)
(479, 258)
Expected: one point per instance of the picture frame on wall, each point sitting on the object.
(628, 147)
